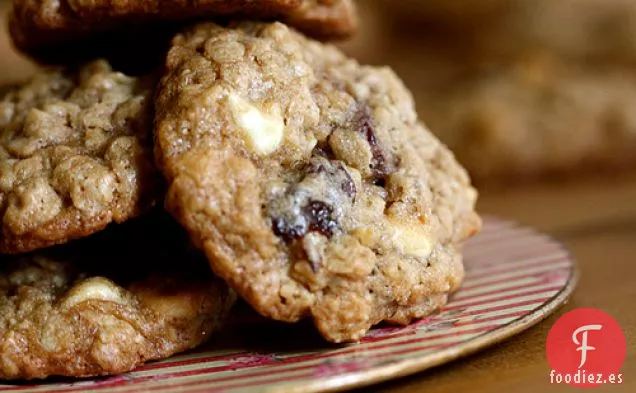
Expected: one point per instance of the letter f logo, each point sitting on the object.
(583, 343)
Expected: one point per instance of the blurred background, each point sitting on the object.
(537, 98)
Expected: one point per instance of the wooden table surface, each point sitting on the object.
(595, 218)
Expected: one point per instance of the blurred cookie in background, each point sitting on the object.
(537, 117)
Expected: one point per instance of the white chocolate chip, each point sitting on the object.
(263, 131)
(314, 245)
(49, 334)
(412, 239)
(95, 288)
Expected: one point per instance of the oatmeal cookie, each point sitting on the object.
(75, 155)
(537, 117)
(307, 179)
(62, 30)
(90, 308)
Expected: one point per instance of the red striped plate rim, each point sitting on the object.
(515, 278)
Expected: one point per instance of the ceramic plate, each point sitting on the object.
(515, 278)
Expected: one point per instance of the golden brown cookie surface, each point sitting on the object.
(106, 304)
(308, 180)
(75, 155)
(538, 117)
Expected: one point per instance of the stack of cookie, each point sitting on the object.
(304, 180)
